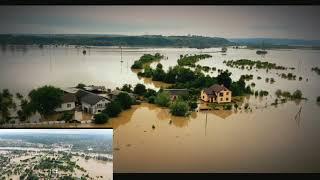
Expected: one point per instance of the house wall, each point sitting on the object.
(226, 97)
(64, 107)
(95, 109)
(204, 96)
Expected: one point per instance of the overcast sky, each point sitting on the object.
(299, 22)
(58, 131)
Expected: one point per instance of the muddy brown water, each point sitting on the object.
(266, 139)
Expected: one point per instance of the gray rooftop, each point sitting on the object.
(177, 92)
(92, 99)
(68, 97)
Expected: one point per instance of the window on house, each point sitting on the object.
(68, 105)
(221, 94)
(203, 97)
(227, 99)
(221, 99)
(227, 93)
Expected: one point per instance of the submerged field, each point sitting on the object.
(264, 139)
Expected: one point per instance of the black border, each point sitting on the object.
(159, 2)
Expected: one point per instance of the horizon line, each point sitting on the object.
(188, 35)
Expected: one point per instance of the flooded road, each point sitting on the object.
(268, 139)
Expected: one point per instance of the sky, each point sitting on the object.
(58, 131)
(294, 22)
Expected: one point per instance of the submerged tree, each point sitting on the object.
(179, 108)
(163, 99)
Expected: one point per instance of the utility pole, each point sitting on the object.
(205, 130)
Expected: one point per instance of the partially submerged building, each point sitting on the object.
(216, 93)
(68, 103)
(175, 93)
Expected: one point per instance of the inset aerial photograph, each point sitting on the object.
(56, 154)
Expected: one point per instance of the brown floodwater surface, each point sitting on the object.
(264, 138)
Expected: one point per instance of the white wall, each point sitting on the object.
(101, 105)
(64, 107)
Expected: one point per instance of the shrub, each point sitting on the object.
(286, 94)
(150, 92)
(101, 118)
(297, 94)
(163, 99)
(81, 86)
(236, 106)
(193, 105)
(139, 89)
(67, 116)
(263, 93)
(227, 107)
(278, 92)
(179, 108)
(151, 99)
(159, 65)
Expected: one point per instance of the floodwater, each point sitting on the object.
(266, 139)
(94, 168)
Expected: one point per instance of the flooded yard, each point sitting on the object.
(266, 139)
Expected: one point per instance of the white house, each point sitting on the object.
(68, 103)
(93, 104)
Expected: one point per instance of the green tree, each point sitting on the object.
(45, 99)
(127, 88)
(159, 65)
(19, 96)
(101, 118)
(81, 86)
(6, 103)
(297, 94)
(150, 92)
(26, 110)
(193, 105)
(158, 75)
(163, 99)
(278, 93)
(151, 99)
(113, 109)
(140, 89)
(224, 78)
(179, 108)
(125, 100)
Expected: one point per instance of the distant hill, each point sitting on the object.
(274, 41)
(115, 40)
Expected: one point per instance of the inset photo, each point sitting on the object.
(56, 154)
